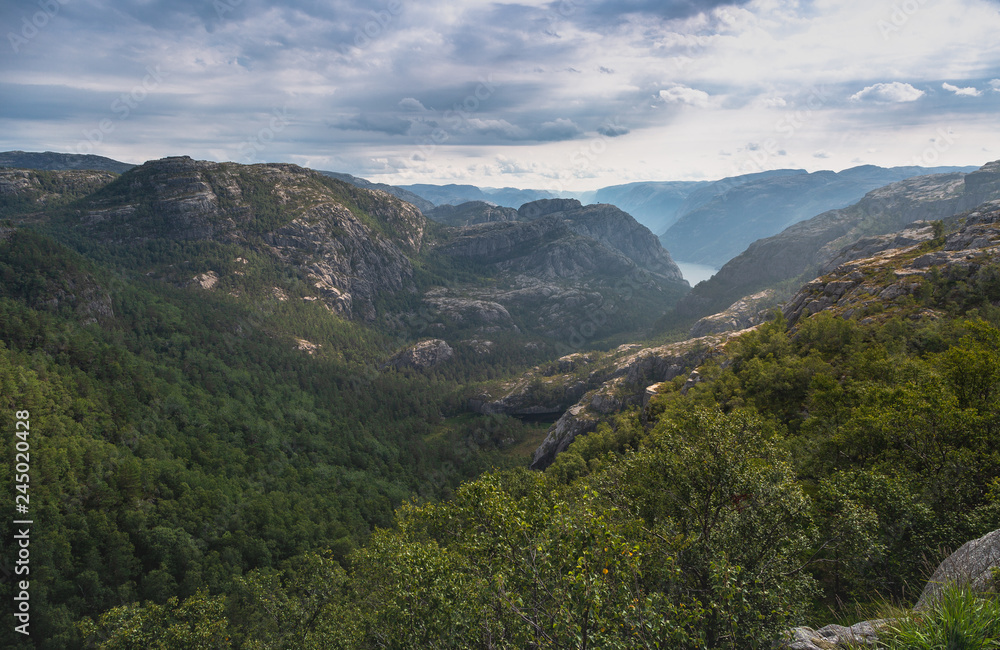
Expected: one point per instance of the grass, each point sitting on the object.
(961, 619)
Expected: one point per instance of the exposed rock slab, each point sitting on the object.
(619, 381)
(746, 312)
(423, 355)
(971, 565)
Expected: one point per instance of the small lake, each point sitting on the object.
(695, 273)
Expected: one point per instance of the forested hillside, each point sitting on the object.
(818, 463)
(243, 436)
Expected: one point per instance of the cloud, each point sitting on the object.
(412, 105)
(888, 93)
(995, 85)
(822, 154)
(605, 70)
(498, 128)
(613, 130)
(962, 92)
(388, 124)
(684, 95)
(559, 129)
(612, 11)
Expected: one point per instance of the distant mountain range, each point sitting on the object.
(747, 208)
(803, 250)
(53, 161)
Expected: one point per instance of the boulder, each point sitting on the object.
(859, 635)
(971, 565)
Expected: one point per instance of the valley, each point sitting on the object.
(279, 407)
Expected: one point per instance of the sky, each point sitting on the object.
(570, 95)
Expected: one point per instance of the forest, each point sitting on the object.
(202, 479)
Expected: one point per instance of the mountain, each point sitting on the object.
(423, 204)
(655, 205)
(52, 161)
(748, 208)
(350, 246)
(29, 190)
(470, 213)
(808, 246)
(457, 194)
(364, 254)
(611, 226)
(575, 273)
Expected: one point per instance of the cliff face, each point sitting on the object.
(612, 227)
(570, 274)
(351, 245)
(808, 246)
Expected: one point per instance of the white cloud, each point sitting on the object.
(888, 93)
(684, 95)
(995, 85)
(822, 154)
(962, 92)
(411, 104)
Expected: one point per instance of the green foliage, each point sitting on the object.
(196, 624)
(960, 620)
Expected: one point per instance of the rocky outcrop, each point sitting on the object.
(860, 284)
(972, 565)
(471, 213)
(423, 355)
(621, 382)
(746, 312)
(487, 315)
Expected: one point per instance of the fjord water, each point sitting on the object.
(695, 273)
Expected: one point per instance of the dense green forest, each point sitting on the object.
(235, 468)
(819, 465)
(186, 440)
